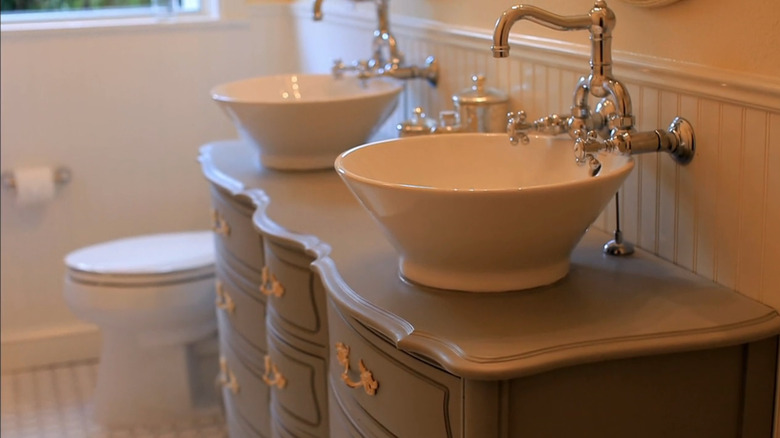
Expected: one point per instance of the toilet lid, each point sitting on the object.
(146, 255)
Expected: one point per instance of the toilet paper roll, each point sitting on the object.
(34, 185)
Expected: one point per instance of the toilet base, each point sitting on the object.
(154, 385)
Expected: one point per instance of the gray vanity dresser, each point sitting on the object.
(320, 337)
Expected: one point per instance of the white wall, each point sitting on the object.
(125, 108)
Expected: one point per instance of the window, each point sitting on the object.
(55, 10)
(11, 6)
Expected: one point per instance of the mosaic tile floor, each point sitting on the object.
(55, 402)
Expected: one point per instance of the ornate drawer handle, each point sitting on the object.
(224, 301)
(219, 224)
(226, 377)
(270, 285)
(277, 379)
(366, 377)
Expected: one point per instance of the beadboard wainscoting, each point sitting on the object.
(717, 216)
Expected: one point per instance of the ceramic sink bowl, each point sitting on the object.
(303, 121)
(472, 212)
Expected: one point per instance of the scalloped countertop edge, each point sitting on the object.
(606, 308)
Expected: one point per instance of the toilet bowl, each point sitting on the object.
(152, 297)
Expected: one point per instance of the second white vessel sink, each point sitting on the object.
(303, 121)
(472, 212)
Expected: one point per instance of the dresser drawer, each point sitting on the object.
(244, 311)
(234, 230)
(237, 426)
(411, 398)
(300, 396)
(341, 424)
(296, 295)
(245, 394)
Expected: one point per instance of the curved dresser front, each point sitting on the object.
(271, 311)
(336, 344)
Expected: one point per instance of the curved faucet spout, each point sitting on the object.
(385, 48)
(317, 10)
(624, 119)
(537, 15)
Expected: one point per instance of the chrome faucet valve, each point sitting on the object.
(586, 147)
(515, 125)
(338, 68)
(553, 124)
(586, 144)
(429, 72)
(360, 67)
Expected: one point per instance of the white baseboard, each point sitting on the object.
(72, 343)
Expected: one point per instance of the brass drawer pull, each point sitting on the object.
(270, 285)
(366, 377)
(277, 379)
(226, 377)
(218, 223)
(224, 301)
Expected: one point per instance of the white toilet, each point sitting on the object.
(153, 299)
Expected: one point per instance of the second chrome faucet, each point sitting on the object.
(386, 58)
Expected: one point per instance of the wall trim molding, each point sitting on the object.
(749, 90)
(72, 343)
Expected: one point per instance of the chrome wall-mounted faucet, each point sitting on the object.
(386, 58)
(317, 10)
(611, 125)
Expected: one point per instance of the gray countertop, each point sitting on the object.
(605, 308)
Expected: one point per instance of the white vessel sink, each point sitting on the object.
(303, 121)
(472, 212)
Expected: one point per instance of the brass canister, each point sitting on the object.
(481, 109)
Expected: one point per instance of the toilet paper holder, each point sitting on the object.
(61, 175)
